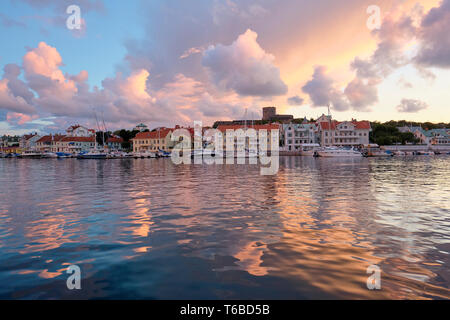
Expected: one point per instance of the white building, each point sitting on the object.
(296, 135)
(344, 134)
(28, 141)
(79, 131)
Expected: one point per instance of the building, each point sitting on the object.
(28, 141)
(79, 131)
(75, 144)
(114, 143)
(44, 144)
(296, 135)
(141, 127)
(344, 134)
(433, 137)
(270, 114)
(49, 143)
(271, 139)
(159, 139)
(407, 129)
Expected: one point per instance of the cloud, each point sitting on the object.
(12, 103)
(323, 92)
(244, 67)
(435, 43)
(15, 118)
(123, 100)
(295, 101)
(362, 94)
(411, 106)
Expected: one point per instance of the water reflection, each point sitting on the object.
(146, 228)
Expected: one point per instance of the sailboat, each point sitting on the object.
(95, 153)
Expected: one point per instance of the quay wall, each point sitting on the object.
(421, 147)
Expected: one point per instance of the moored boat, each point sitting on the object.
(30, 155)
(339, 152)
(309, 149)
(92, 155)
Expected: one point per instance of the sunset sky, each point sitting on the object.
(166, 62)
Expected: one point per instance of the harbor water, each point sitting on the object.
(150, 229)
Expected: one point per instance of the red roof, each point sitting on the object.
(114, 140)
(159, 134)
(28, 136)
(50, 138)
(78, 139)
(359, 125)
(257, 127)
(45, 139)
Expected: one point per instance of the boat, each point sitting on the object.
(426, 153)
(63, 155)
(374, 150)
(30, 155)
(49, 155)
(145, 154)
(399, 153)
(92, 155)
(163, 154)
(339, 152)
(309, 149)
(2, 155)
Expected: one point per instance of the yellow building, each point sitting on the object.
(159, 139)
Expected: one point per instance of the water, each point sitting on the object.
(145, 228)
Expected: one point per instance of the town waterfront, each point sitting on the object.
(146, 228)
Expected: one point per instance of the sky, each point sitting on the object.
(167, 62)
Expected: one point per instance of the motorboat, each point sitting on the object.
(49, 155)
(145, 154)
(374, 150)
(92, 155)
(309, 149)
(30, 155)
(399, 153)
(339, 152)
(163, 154)
(63, 155)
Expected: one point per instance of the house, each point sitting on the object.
(433, 137)
(114, 143)
(79, 131)
(271, 139)
(344, 134)
(44, 144)
(159, 139)
(28, 141)
(50, 143)
(76, 144)
(295, 135)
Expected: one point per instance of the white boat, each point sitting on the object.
(339, 152)
(399, 153)
(49, 155)
(30, 155)
(309, 149)
(145, 154)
